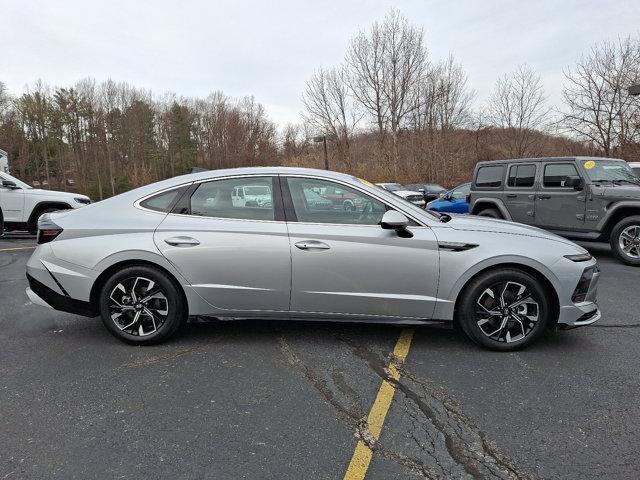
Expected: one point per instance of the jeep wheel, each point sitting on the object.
(489, 212)
(625, 241)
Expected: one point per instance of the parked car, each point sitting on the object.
(635, 166)
(581, 198)
(251, 196)
(147, 259)
(430, 191)
(21, 205)
(453, 201)
(411, 196)
(339, 197)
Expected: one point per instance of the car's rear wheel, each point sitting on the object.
(142, 305)
(625, 240)
(489, 212)
(504, 309)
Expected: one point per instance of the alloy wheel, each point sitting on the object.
(629, 241)
(506, 312)
(138, 306)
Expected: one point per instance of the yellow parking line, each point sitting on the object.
(362, 455)
(15, 248)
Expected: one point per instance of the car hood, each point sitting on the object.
(406, 193)
(56, 193)
(626, 191)
(484, 224)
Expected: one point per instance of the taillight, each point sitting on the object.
(47, 229)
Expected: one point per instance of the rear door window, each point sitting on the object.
(245, 198)
(490, 176)
(522, 176)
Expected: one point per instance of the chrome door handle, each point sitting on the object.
(312, 245)
(182, 241)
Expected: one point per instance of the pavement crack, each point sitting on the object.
(465, 443)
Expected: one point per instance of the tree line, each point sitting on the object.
(388, 111)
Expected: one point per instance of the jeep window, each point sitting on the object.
(521, 176)
(610, 171)
(555, 174)
(490, 177)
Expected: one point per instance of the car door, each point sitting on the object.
(11, 202)
(557, 205)
(235, 256)
(520, 192)
(344, 263)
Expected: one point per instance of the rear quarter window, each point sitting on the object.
(162, 202)
(490, 176)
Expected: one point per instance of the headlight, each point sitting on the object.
(580, 293)
(82, 200)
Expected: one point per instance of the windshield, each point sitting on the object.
(257, 190)
(6, 176)
(609, 171)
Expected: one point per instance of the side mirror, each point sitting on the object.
(10, 185)
(394, 220)
(574, 181)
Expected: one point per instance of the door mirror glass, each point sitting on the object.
(574, 181)
(9, 184)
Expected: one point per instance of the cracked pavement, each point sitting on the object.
(291, 399)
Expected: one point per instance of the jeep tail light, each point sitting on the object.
(47, 229)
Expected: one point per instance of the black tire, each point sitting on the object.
(490, 212)
(33, 225)
(348, 206)
(130, 328)
(1, 224)
(621, 238)
(474, 316)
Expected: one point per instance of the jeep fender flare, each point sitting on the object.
(488, 202)
(609, 220)
(38, 207)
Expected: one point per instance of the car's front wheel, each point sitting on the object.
(504, 309)
(142, 305)
(625, 240)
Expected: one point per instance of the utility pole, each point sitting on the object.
(323, 139)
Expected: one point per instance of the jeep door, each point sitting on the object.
(559, 206)
(520, 192)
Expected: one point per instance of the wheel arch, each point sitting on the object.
(616, 213)
(482, 203)
(40, 206)
(109, 271)
(545, 280)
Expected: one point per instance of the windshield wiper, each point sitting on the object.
(632, 182)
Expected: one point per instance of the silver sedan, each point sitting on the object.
(198, 245)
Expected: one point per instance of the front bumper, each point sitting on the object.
(574, 315)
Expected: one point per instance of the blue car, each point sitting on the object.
(452, 201)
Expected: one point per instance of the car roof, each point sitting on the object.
(545, 159)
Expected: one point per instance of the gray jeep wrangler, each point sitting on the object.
(581, 198)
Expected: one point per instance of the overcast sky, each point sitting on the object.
(270, 48)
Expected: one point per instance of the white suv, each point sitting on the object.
(22, 205)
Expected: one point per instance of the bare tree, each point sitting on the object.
(386, 66)
(598, 106)
(518, 107)
(329, 106)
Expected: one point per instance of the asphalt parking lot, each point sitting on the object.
(288, 400)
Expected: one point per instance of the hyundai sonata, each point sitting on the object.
(146, 260)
